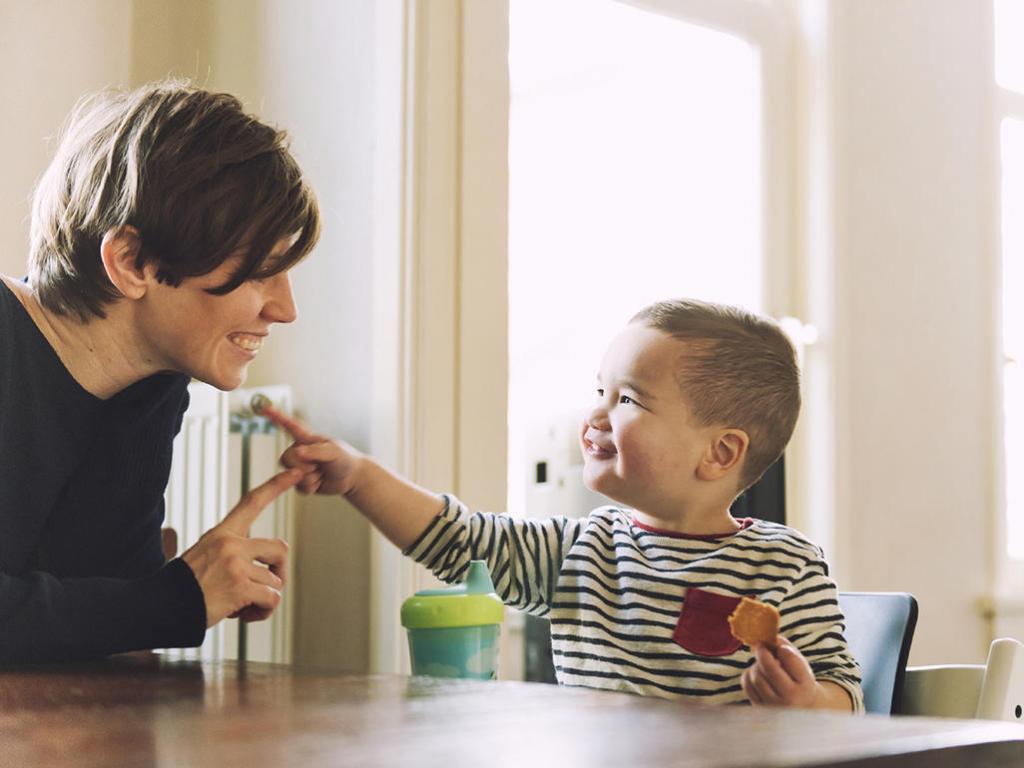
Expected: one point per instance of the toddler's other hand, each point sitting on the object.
(781, 677)
(328, 466)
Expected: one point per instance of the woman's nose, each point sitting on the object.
(279, 306)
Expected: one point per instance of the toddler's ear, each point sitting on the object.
(726, 451)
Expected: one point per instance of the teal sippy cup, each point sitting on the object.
(453, 632)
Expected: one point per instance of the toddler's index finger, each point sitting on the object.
(294, 427)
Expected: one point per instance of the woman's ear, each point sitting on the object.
(119, 251)
(727, 450)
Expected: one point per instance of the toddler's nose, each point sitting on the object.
(597, 417)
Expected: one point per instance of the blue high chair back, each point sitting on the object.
(879, 630)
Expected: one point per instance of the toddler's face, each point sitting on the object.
(640, 444)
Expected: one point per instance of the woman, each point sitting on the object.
(162, 235)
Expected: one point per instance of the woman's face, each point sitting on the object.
(213, 338)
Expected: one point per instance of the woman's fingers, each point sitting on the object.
(262, 575)
(273, 553)
(244, 514)
(264, 593)
(262, 602)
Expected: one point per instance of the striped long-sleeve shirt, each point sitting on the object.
(638, 610)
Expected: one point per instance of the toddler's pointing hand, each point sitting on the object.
(328, 466)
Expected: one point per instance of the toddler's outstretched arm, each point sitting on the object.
(524, 556)
(397, 508)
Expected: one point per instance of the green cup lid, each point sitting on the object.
(470, 604)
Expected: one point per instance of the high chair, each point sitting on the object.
(879, 630)
(990, 691)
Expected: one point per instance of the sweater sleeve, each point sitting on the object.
(43, 618)
(524, 556)
(813, 622)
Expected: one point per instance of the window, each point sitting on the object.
(634, 175)
(1009, 56)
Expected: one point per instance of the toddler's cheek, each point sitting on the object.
(638, 462)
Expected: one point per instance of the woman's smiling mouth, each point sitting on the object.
(250, 342)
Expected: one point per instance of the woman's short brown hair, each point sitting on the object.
(196, 176)
(739, 370)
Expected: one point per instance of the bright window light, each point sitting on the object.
(634, 175)
(1009, 30)
(1013, 329)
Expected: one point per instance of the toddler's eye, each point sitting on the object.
(627, 400)
(600, 392)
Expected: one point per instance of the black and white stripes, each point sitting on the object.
(615, 592)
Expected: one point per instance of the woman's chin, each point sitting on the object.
(225, 381)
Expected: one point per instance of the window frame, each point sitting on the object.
(1008, 104)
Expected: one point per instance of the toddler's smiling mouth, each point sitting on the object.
(595, 449)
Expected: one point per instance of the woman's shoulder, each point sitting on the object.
(14, 307)
(11, 306)
(20, 332)
(12, 289)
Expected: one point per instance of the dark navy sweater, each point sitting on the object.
(82, 571)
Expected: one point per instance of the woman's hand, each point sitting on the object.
(328, 466)
(240, 576)
(781, 677)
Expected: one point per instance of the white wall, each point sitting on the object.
(51, 52)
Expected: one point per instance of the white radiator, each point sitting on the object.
(206, 481)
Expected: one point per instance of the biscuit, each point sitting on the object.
(754, 622)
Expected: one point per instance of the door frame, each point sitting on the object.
(441, 206)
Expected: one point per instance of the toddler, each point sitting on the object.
(694, 401)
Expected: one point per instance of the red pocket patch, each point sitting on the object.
(703, 626)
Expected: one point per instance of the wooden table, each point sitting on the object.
(145, 711)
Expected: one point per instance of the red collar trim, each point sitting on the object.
(745, 523)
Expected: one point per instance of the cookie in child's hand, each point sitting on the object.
(754, 622)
